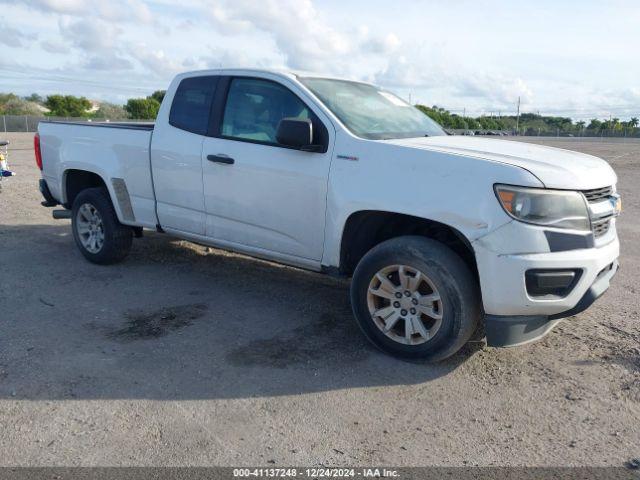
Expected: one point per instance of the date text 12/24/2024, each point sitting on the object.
(315, 472)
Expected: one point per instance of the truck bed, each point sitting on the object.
(117, 152)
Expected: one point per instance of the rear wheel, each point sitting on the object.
(98, 234)
(415, 298)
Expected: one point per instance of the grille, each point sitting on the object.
(600, 227)
(597, 194)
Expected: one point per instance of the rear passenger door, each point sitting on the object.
(265, 197)
(176, 155)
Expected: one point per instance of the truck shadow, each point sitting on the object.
(178, 321)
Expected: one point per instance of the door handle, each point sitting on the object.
(221, 159)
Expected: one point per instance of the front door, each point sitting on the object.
(257, 193)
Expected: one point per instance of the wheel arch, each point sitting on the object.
(76, 180)
(365, 229)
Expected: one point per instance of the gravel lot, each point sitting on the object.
(184, 355)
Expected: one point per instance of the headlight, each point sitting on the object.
(552, 208)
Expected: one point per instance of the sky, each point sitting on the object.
(579, 59)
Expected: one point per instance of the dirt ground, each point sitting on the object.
(184, 355)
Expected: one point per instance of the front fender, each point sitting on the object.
(451, 189)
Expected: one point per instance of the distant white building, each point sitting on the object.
(95, 106)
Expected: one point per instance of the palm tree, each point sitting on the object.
(633, 122)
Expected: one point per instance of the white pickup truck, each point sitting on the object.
(441, 234)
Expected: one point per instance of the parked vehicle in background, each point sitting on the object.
(438, 233)
(4, 165)
(4, 155)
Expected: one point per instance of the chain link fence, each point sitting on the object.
(29, 123)
(635, 133)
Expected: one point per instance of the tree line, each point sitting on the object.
(533, 124)
(80, 107)
(147, 109)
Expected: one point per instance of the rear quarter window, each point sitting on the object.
(191, 105)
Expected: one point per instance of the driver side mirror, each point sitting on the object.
(297, 133)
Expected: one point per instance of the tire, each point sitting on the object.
(443, 275)
(116, 238)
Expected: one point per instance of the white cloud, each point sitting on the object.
(305, 48)
(13, 37)
(218, 58)
(108, 63)
(434, 51)
(91, 35)
(98, 42)
(499, 89)
(156, 60)
(54, 46)
(385, 45)
(113, 10)
(402, 72)
(301, 33)
(426, 76)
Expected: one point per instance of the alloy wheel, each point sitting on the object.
(405, 304)
(90, 228)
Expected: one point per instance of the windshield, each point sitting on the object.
(370, 112)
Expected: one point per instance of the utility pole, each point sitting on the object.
(518, 119)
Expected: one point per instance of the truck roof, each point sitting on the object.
(291, 74)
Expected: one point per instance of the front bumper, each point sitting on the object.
(502, 277)
(513, 315)
(510, 331)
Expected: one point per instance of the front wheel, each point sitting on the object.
(415, 298)
(98, 234)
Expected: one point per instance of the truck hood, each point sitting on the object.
(554, 167)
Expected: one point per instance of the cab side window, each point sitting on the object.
(191, 105)
(255, 107)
